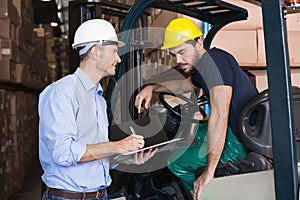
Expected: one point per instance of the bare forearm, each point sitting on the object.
(102, 150)
(176, 87)
(216, 140)
(220, 97)
(98, 151)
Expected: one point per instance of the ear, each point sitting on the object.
(199, 45)
(95, 53)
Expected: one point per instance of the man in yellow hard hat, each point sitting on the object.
(228, 88)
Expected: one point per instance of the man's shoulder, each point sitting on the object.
(65, 84)
(222, 57)
(218, 52)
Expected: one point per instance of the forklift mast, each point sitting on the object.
(278, 69)
(217, 13)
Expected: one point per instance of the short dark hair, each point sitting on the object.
(85, 55)
(194, 41)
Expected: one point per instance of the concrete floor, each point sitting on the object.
(32, 184)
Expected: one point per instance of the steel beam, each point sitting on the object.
(282, 117)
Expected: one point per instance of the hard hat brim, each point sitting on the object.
(118, 43)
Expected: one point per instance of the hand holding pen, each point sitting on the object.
(141, 157)
(132, 130)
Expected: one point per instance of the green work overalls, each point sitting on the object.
(185, 160)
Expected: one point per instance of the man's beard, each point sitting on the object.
(196, 59)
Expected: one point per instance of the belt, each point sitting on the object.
(71, 195)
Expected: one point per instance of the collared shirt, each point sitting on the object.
(72, 114)
(217, 67)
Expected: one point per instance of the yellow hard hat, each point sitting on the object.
(179, 31)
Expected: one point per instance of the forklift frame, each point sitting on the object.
(278, 70)
(219, 13)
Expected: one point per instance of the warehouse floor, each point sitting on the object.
(32, 184)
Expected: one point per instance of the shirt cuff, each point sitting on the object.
(78, 150)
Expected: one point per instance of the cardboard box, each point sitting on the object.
(7, 29)
(241, 44)
(22, 5)
(13, 103)
(2, 102)
(254, 23)
(261, 53)
(26, 26)
(19, 72)
(48, 31)
(260, 78)
(51, 57)
(28, 5)
(40, 32)
(293, 38)
(19, 4)
(50, 45)
(12, 124)
(294, 44)
(7, 70)
(254, 20)
(240, 38)
(293, 22)
(157, 27)
(9, 11)
(8, 50)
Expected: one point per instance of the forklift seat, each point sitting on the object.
(254, 124)
(254, 127)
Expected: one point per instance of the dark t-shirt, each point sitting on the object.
(217, 67)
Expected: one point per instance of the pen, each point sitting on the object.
(132, 130)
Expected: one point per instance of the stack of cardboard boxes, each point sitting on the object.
(240, 38)
(57, 52)
(23, 73)
(245, 40)
(64, 55)
(293, 38)
(9, 21)
(18, 141)
(50, 52)
(156, 60)
(22, 52)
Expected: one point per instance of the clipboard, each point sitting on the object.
(163, 146)
(149, 127)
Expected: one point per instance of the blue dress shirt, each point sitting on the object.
(72, 114)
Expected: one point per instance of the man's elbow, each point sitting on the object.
(64, 160)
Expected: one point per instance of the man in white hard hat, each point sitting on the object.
(74, 148)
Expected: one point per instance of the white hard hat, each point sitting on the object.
(95, 31)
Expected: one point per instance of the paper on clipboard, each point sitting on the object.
(161, 147)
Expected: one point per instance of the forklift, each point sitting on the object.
(271, 175)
